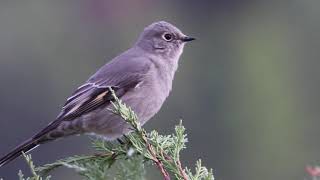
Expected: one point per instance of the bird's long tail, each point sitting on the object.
(47, 134)
(26, 146)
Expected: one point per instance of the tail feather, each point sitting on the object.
(28, 145)
(39, 138)
(46, 135)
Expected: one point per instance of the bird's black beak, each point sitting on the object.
(187, 39)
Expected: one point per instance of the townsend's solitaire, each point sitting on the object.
(141, 77)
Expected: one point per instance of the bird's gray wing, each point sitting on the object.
(122, 74)
(119, 75)
(90, 96)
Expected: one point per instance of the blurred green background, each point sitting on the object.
(247, 89)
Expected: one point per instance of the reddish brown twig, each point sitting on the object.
(182, 173)
(159, 164)
(155, 159)
(178, 163)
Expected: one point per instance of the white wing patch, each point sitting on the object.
(138, 85)
(90, 85)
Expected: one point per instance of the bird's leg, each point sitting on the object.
(120, 141)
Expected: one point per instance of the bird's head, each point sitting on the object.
(164, 39)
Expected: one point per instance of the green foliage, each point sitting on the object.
(35, 176)
(128, 158)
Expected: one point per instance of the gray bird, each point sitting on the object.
(141, 77)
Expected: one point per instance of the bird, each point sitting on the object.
(141, 77)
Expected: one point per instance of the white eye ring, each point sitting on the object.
(167, 37)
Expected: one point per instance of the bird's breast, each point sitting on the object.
(147, 97)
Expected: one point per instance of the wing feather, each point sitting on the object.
(121, 75)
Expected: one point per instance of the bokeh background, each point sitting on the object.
(247, 89)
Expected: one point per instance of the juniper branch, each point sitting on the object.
(138, 148)
(35, 176)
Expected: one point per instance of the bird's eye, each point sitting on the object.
(167, 36)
